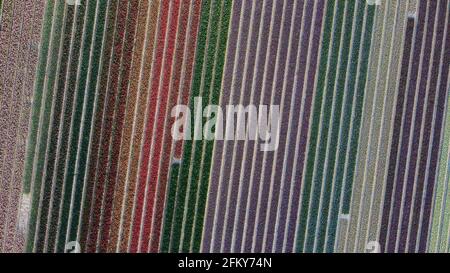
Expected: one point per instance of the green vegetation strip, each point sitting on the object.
(43, 100)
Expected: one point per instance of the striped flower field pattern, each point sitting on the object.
(345, 143)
